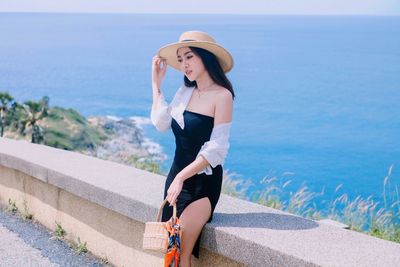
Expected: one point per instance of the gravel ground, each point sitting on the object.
(28, 243)
(14, 251)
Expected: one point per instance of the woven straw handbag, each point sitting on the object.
(155, 235)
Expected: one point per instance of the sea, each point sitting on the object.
(317, 97)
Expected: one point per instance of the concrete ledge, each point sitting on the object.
(242, 233)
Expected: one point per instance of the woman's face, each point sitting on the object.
(190, 64)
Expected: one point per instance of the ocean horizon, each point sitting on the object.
(317, 97)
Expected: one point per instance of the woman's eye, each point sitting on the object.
(187, 57)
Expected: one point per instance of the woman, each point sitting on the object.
(200, 116)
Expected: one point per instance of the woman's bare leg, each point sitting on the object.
(193, 218)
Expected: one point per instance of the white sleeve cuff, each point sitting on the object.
(207, 170)
(216, 150)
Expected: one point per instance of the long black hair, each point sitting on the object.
(213, 68)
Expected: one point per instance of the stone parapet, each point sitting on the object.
(107, 204)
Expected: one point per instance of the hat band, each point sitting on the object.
(188, 40)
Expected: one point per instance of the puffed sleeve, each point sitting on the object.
(160, 116)
(215, 150)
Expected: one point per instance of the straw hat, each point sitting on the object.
(196, 39)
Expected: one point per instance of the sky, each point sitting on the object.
(290, 7)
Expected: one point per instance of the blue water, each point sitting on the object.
(317, 97)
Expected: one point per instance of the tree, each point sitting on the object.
(5, 100)
(34, 112)
(14, 116)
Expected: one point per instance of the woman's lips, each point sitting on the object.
(188, 72)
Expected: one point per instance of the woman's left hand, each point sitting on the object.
(174, 190)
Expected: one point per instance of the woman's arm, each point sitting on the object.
(160, 116)
(158, 70)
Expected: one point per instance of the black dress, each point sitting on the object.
(197, 131)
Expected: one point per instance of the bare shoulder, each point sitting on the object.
(224, 95)
(223, 106)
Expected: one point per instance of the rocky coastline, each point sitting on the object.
(125, 141)
(120, 140)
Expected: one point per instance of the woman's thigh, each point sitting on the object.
(193, 218)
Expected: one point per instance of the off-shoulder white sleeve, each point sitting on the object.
(160, 116)
(215, 150)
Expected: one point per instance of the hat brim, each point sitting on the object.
(168, 52)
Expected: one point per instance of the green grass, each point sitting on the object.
(67, 129)
(12, 207)
(144, 164)
(59, 232)
(81, 247)
(365, 215)
(26, 214)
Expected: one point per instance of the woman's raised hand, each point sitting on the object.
(159, 67)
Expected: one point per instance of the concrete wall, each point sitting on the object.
(109, 235)
(106, 204)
